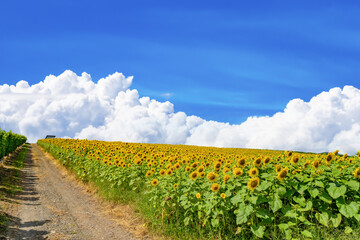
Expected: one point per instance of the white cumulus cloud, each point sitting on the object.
(74, 106)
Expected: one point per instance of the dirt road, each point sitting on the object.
(52, 206)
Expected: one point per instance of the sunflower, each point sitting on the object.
(289, 153)
(169, 172)
(148, 173)
(154, 182)
(177, 166)
(237, 172)
(211, 176)
(162, 172)
(194, 175)
(329, 157)
(316, 164)
(257, 162)
(175, 185)
(225, 170)
(282, 174)
(187, 169)
(198, 195)
(226, 178)
(242, 162)
(202, 174)
(217, 166)
(278, 168)
(223, 195)
(357, 173)
(194, 165)
(253, 172)
(295, 159)
(215, 187)
(253, 183)
(306, 164)
(267, 160)
(200, 169)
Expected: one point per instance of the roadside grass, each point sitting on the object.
(9, 182)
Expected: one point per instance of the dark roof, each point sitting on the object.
(50, 136)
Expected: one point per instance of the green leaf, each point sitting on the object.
(300, 200)
(242, 213)
(348, 210)
(280, 190)
(258, 230)
(357, 217)
(323, 218)
(354, 185)
(234, 200)
(348, 230)
(325, 197)
(288, 234)
(335, 172)
(261, 199)
(314, 192)
(303, 188)
(289, 192)
(283, 226)
(264, 185)
(263, 213)
(253, 199)
(308, 207)
(291, 214)
(336, 220)
(306, 233)
(335, 192)
(187, 221)
(276, 203)
(215, 222)
(319, 184)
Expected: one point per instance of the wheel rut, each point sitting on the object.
(52, 206)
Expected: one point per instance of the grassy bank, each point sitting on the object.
(10, 182)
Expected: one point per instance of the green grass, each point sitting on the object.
(9, 182)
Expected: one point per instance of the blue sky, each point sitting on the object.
(220, 60)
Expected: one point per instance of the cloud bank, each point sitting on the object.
(74, 106)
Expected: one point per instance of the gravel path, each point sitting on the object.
(51, 206)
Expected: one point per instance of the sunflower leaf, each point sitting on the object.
(242, 213)
(275, 203)
(335, 192)
(258, 230)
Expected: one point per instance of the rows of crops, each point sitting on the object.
(9, 141)
(230, 192)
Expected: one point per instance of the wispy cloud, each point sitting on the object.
(166, 95)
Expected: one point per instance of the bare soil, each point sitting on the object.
(54, 206)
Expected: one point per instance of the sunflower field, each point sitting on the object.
(225, 192)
